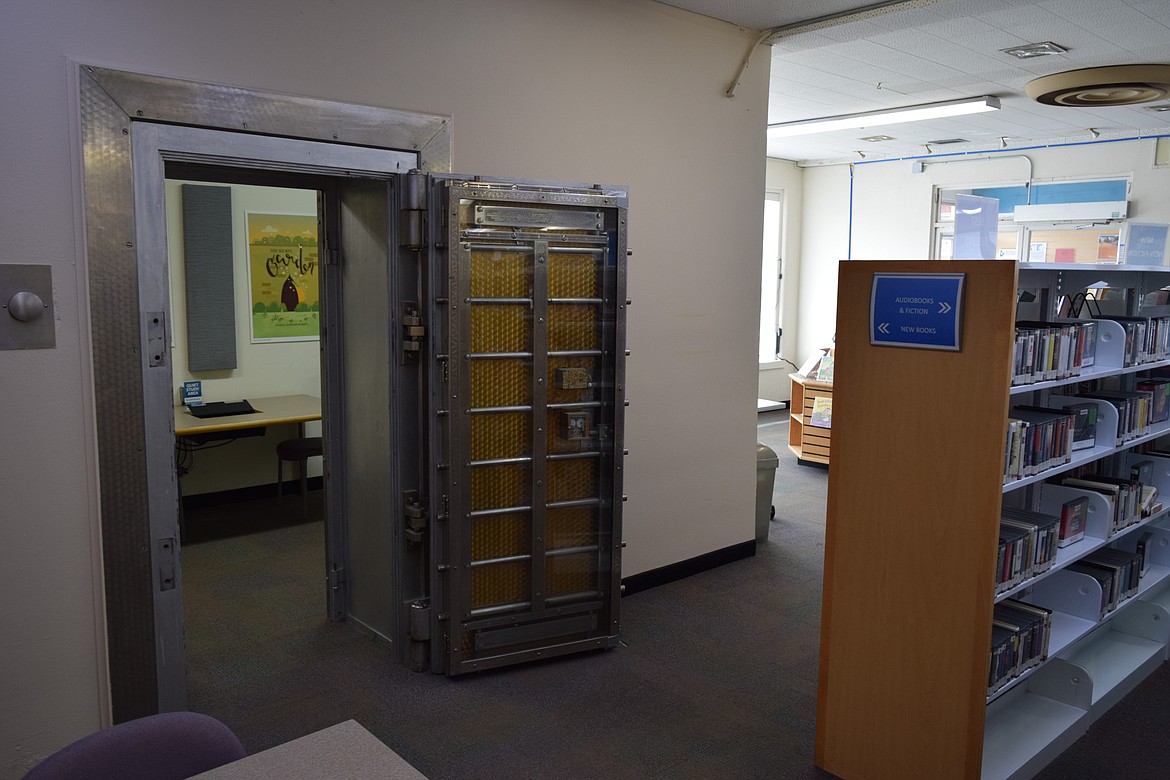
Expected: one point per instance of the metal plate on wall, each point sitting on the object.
(26, 307)
(560, 219)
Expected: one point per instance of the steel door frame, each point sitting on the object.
(110, 103)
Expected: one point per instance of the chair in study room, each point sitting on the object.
(168, 746)
(299, 451)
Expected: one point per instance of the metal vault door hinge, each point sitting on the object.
(412, 214)
(415, 514)
(418, 649)
(413, 332)
(338, 585)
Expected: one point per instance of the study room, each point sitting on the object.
(245, 354)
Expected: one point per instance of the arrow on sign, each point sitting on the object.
(884, 327)
(944, 307)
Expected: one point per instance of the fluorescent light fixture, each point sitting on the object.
(890, 116)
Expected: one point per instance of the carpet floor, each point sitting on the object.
(715, 677)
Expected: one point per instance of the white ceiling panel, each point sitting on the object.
(940, 51)
(852, 32)
(762, 14)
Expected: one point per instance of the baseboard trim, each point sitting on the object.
(292, 487)
(631, 584)
(683, 569)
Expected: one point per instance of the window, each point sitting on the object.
(1008, 241)
(1065, 242)
(771, 277)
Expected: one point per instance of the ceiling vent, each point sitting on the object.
(1042, 49)
(1117, 85)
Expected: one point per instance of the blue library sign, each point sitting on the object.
(922, 311)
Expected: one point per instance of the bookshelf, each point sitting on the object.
(808, 442)
(911, 544)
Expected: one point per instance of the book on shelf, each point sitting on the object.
(1074, 517)
(1044, 437)
(1123, 495)
(1131, 493)
(1088, 343)
(1133, 410)
(1020, 635)
(1046, 351)
(1005, 645)
(1043, 535)
(1028, 542)
(825, 369)
(1151, 501)
(1128, 566)
(1108, 492)
(1013, 450)
(1142, 471)
(1034, 625)
(1142, 548)
(822, 412)
(1104, 576)
(1084, 425)
(1011, 564)
(1117, 571)
(1156, 298)
(1147, 339)
(1159, 389)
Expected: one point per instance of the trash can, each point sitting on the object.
(766, 464)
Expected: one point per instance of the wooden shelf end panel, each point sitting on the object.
(911, 536)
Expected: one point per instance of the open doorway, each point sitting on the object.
(246, 309)
(774, 365)
(245, 305)
(135, 391)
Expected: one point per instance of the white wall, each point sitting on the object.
(891, 209)
(784, 176)
(825, 241)
(264, 369)
(616, 91)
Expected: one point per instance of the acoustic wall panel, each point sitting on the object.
(208, 260)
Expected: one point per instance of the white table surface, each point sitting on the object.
(346, 750)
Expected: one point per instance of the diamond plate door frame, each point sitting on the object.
(111, 103)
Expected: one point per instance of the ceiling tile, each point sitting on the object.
(945, 50)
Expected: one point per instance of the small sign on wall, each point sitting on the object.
(922, 311)
(1144, 243)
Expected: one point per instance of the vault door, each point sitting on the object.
(529, 370)
(364, 399)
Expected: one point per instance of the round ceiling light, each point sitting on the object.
(1117, 85)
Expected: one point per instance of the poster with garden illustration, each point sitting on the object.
(282, 276)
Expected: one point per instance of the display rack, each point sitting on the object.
(914, 502)
(808, 442)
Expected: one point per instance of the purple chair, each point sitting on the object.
(169, 746)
